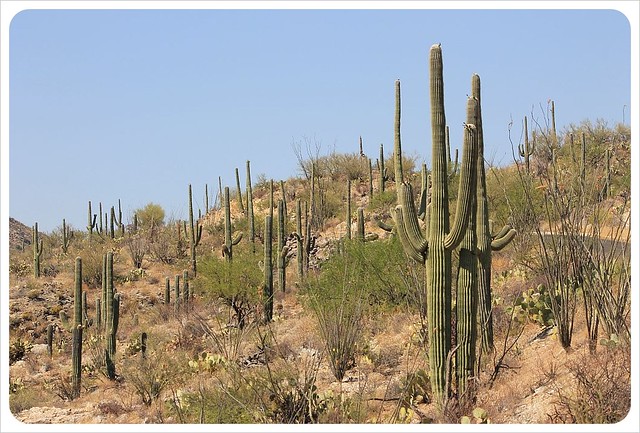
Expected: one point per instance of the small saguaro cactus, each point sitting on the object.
(76, 348)
(91, 222)
(267, 286)
(299, 240)
(98, 314)
(360, 234)
(50, 332)
(36, 242)
(382, 171)
(229, 240)
(185, 283)
(370, 178)
(283, 193)
(143, 345)
(526, 150)
(177, 288)
(67, 234)
(195, 234)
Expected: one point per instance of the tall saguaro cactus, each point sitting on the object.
(112, 318)
(486, 242)
(194, 235)
(436, 248)
(267, 287)
(250, 216)
(76, 348)
(36, 242)
(67, 234)
(91, 222)
(239, 192)
(282, 248)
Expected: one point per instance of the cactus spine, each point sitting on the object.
(229, 240)
(486, 243)
(195, 234)
(267, 288)
(442, 238)
(36, 242)
(76, 348)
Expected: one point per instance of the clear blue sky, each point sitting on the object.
(136, 105)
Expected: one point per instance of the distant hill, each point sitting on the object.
(18, 234)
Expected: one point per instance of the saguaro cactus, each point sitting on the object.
(50, 340)
(527, 149)
(195, 235)
(91, 222)
(239, 192)
(267, 287)
(67, 234)
(112, 318)
(283, 250)
(36, 242)
(167, 291)
(229, 240)
(486, 242)
(397, 146)
(382, 171)
(76, 348)
(250, 216)
(442, 238)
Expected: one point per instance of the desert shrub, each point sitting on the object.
(150, 216)
(23, 397)
(19, 268)
(152, 374)
(601, 391)
(18, 349)
(235, 282)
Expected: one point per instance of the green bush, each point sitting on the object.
(237, 283)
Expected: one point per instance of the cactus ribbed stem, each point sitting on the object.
(299, 239)
(76, 348)
(50, 340)
(36, 242)
(167, 291)
(250, 215)
(282, 248)
(267, 288)
(397, 146)
(239, 192)
(195, 234)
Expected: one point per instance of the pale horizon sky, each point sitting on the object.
(138, 104)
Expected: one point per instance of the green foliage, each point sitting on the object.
(235, 282)
(18, 349)
(533, 305)
(152, 215)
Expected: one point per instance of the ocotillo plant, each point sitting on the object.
(67, 234)
(250, 215)
(486, 243)
(229, 240)
(348, 219)
(195, 234)
(527, 149)
(442, 238)
(36, 242)
(239, 192)
(76, 348)
(267, 287)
